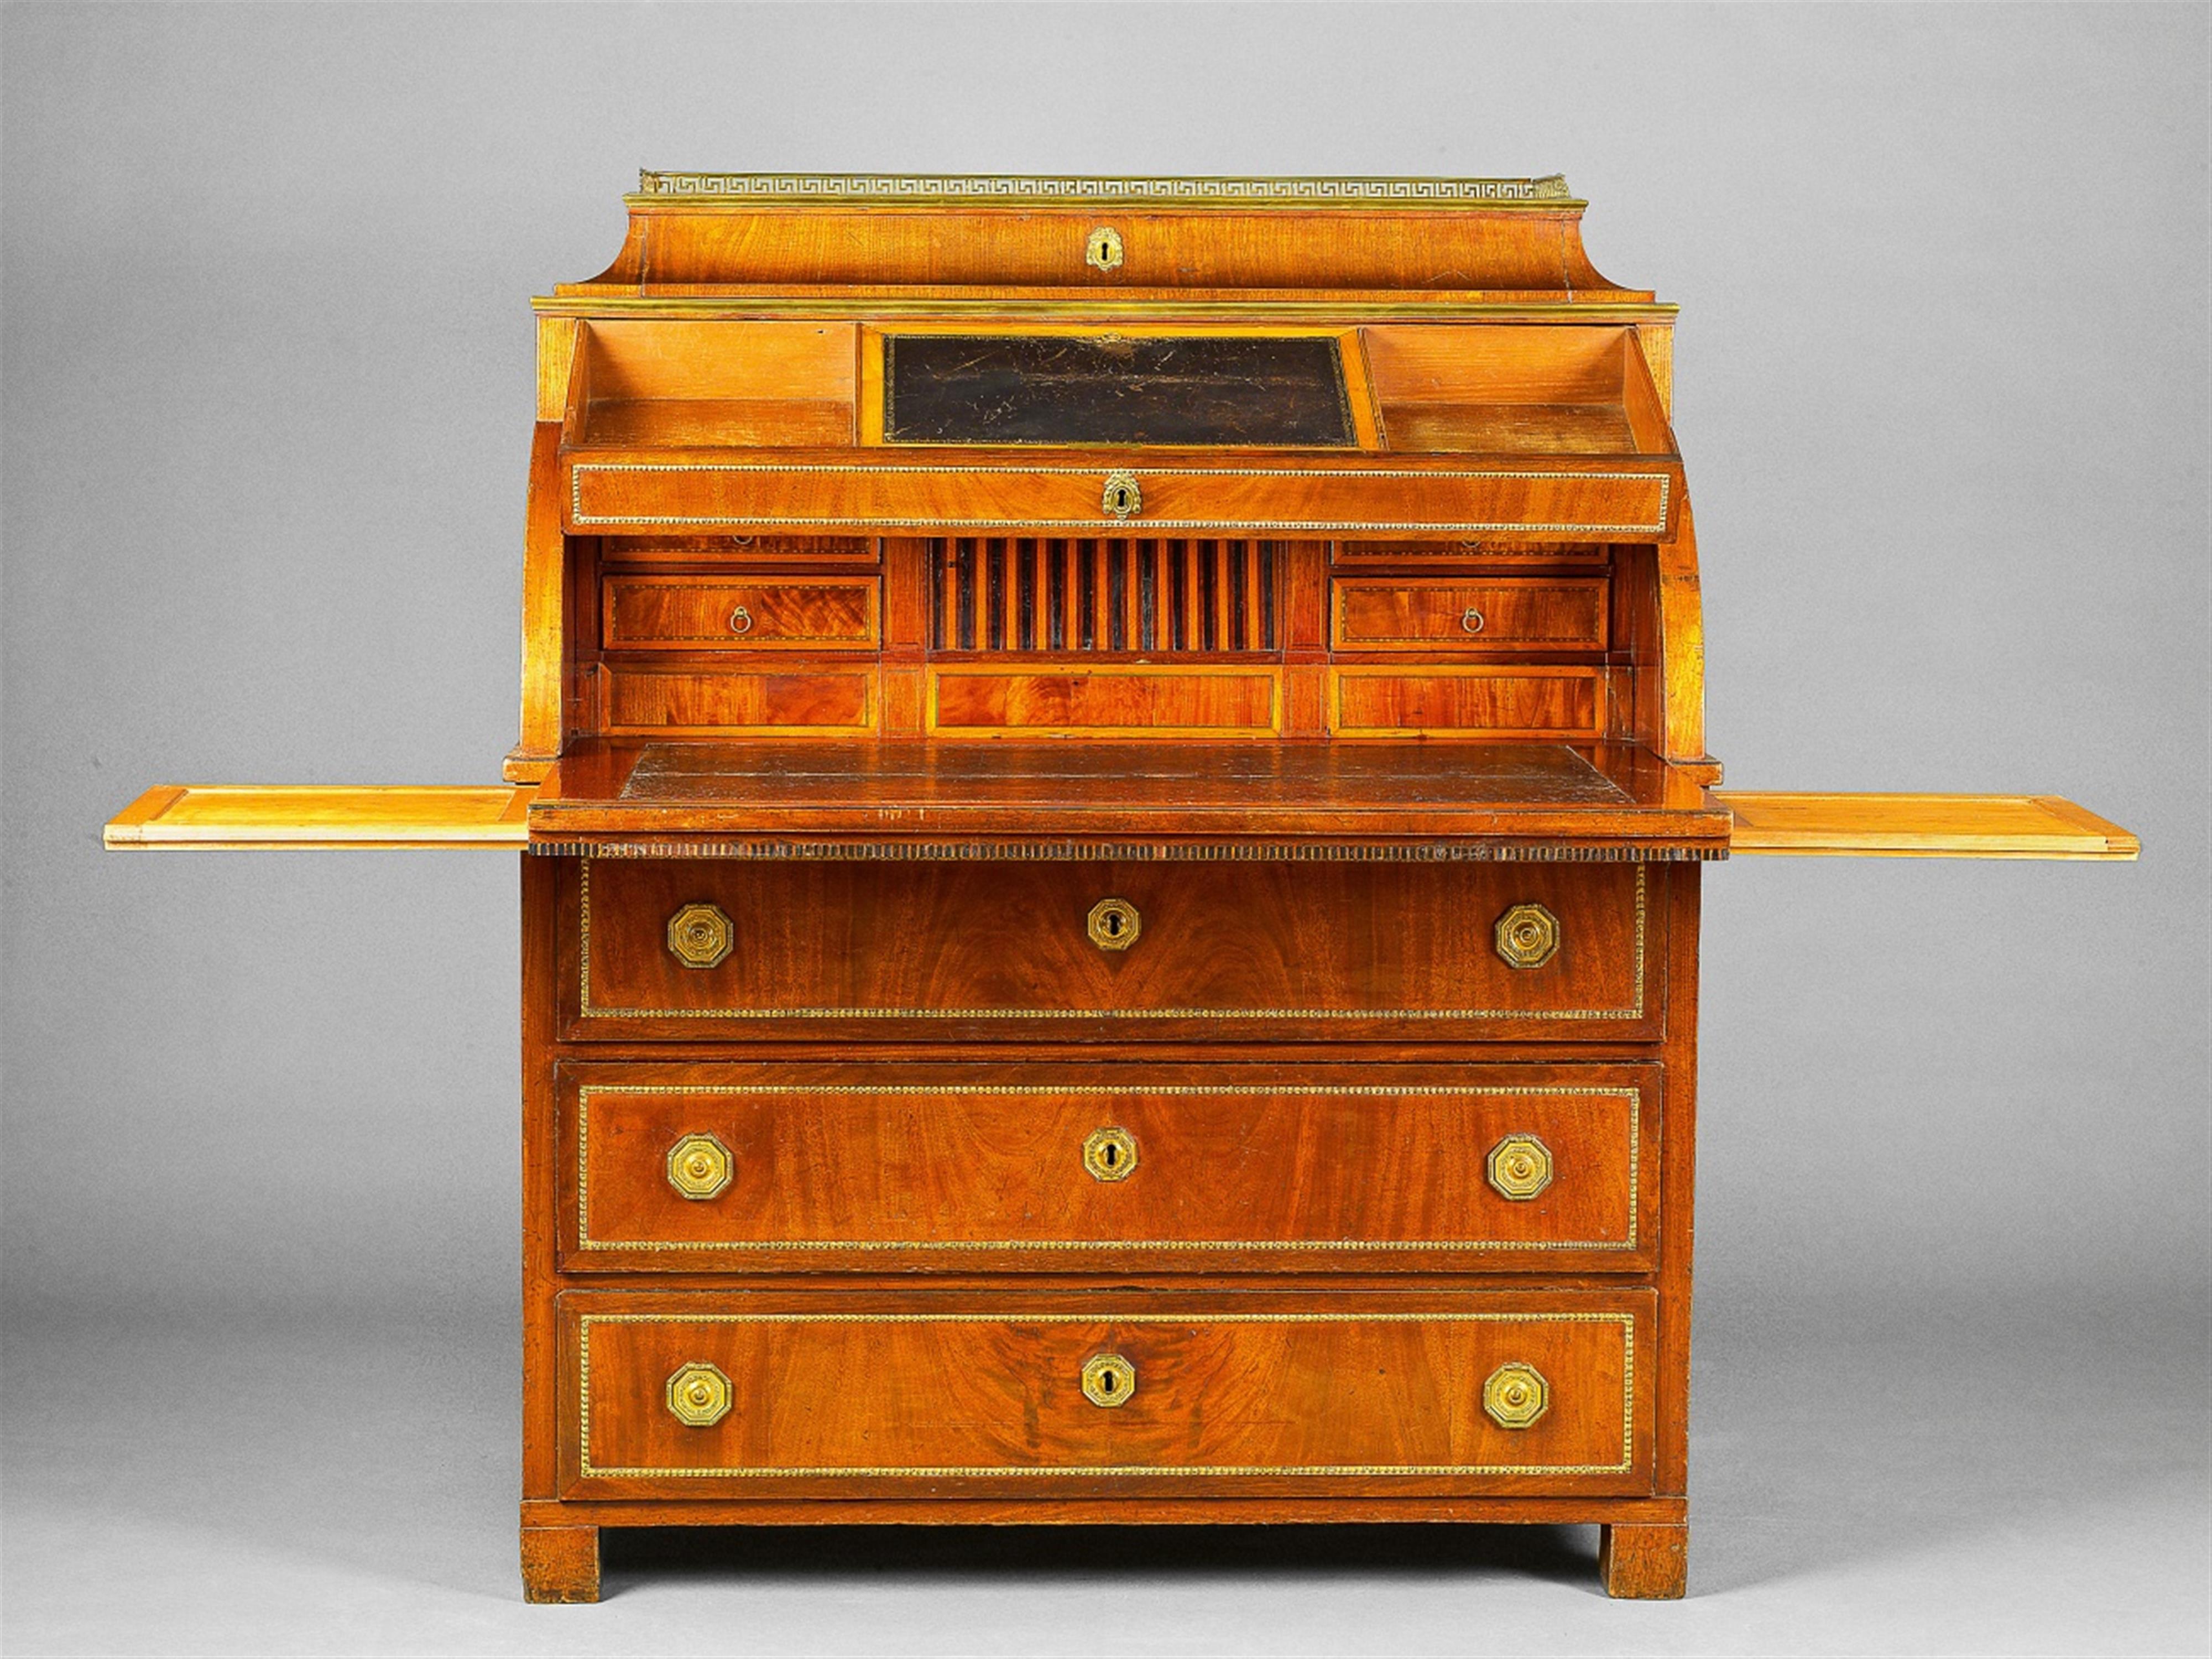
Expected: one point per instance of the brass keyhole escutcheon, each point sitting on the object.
(1110, 1154)
(1470, 620)
(1101, 249)
(741, 620)
(1123, 497)
(1109, 1380)
(1113, 924)
(1515, 1395)
(700, 935)
(1527, 936)
(699, 1166)
(1520, 1167)
(698, 1395)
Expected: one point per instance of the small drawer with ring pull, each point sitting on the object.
(698, 613)
(1499, 613)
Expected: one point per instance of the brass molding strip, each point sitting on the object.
(1080, 190)
(1629, 852)
(579, 517)
(1091, 305)
(1626, 1321)
(585, 1009)
(585, 1091)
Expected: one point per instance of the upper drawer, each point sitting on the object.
(1490, 613)
(1048, 1166)
(1132, 496)
(698, 613)
(779, 950)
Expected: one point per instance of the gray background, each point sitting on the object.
(266, 402)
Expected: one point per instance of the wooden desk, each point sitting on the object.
(1114, 787)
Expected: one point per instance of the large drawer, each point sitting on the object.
(689, 1395)
(1050, 1167)
(785, 950)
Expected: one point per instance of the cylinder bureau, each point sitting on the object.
(1113, 793)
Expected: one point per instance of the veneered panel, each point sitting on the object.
(1409, 702)
(1210, 1168)
(1114, 701)
(723, 700)
(992, 1388)
(997, 951)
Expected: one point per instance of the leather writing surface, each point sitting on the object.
(1037, 389)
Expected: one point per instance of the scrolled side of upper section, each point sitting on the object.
(1474, 241)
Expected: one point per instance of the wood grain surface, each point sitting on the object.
(232, 816)
(1228, 1167)
(935, 1391)
(1921, 826)
(996, 952)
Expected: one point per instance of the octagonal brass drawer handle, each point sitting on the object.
(700, 935)
(698, 1395)
(699, 1166)
(1520, 1167)
(1110, 1154)
(1113, 924)
(1515, 1395)
(1527, 936)
(1109, 1380)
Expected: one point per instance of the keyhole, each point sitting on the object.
(1111, 1156)
(1107, 1382)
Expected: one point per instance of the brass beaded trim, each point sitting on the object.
(1092, 852)
(1080, 189)
(1626, 1321)
(585, 1242)
(1634, 1011)
(578, 517)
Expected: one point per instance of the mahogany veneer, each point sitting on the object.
(1115, 783)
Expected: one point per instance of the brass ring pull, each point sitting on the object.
(1515, 1395)
(698, 1395)
(1520, 1167)
(1113, 924)
(1109, 1380)
(741, 620)
(699, 1166)
(1470, 620)
(700, 935)
(1110, 1154)
(1527, 936)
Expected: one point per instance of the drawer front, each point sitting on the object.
(1499, 613)
(1534, 702)
(1105, 952)
(1057, 1167)
(742, 550)
(694, 613)
(1601, 501)
(1104, 702)
(760, 699)
(687, 1395)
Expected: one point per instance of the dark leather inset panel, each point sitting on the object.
(1042, 389)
